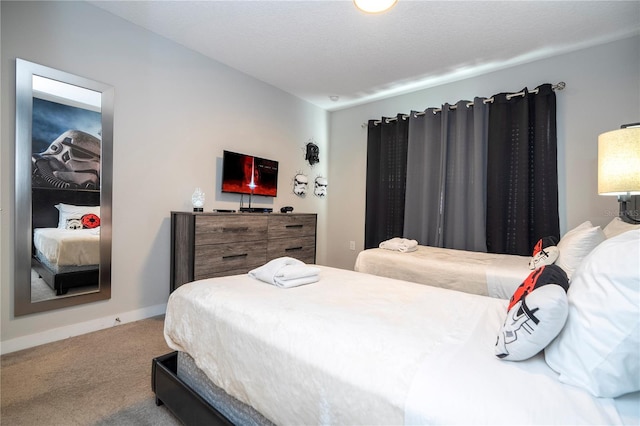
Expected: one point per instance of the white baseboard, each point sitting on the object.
(65, 332)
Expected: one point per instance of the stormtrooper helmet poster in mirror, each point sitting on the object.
(64, 135)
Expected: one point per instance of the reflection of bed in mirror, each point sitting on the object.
(64, 258)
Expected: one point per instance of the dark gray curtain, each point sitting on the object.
(386, 179)
(446, 177)
(480, 178)
(522, 202)
(424, 178)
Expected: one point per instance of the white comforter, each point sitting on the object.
(354, 348)
(487, 274)
(66, 247)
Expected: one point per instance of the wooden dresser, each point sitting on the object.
(207, 245)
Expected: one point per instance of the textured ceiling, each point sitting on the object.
(315, 49)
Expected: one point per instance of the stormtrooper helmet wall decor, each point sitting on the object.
(300, 182)
(72, 161)
(312, 154)
(320, 189)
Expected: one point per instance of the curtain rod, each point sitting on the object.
(560, 86)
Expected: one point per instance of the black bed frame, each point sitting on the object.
(189, 407)
(45, 215)
(62, 282)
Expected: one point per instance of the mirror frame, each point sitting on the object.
(23, 208)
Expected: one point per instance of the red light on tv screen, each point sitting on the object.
(246, 174)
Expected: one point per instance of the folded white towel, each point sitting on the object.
(402, 245)
(286, 272)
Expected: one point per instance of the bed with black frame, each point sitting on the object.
(355, 348)
(45, 215)
(193, 399)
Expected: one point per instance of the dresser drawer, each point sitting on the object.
(303, 248)
(230, 272)
(229, 229)
(218, 259)
(291, 226)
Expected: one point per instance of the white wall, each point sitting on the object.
(603, 92)
(175, 112)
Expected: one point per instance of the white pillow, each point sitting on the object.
(70, 212)
(599, 347)
(576, 244)
(537, 312)
(617, 226)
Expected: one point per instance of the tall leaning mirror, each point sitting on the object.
(64, 138)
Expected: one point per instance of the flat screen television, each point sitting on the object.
(246, 174)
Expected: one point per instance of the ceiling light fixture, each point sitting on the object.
(374, 6)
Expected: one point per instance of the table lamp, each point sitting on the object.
(619, 165)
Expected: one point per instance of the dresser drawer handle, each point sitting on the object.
(294, 226)
(234, 256)
(293, 248)
(238, 229)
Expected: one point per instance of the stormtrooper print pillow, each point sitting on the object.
(544, 253)
(74, 224)
(536, 314)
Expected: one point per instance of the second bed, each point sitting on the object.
(486, 274)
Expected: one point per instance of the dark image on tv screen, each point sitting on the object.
(246, 174)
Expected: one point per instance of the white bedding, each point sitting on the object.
(487, 274)
(67, 247)
(354, 348)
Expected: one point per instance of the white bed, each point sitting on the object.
(67, 247)
(355, 348)
(487, 274)
(67, 258)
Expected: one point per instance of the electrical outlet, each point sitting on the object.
(352, 245)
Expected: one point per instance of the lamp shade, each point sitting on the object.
(374, 6)
(619, 162)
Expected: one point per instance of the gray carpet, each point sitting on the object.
(100, 378)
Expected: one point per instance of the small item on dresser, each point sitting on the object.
(197, 199)
(286, 272)
(286, 209)
(256, 209)
(223, 211)
(403, 245)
